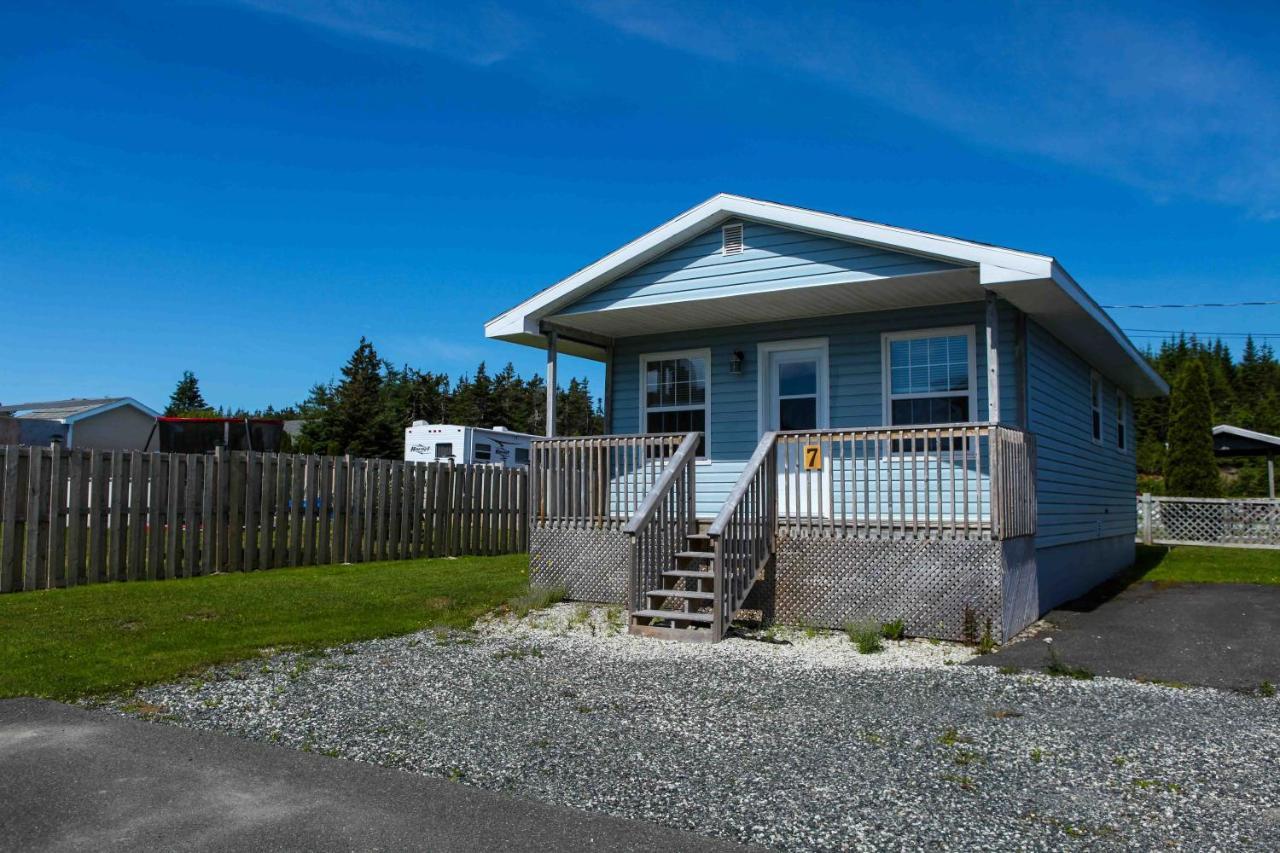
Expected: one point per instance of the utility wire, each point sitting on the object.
(1205, 304)
(1151, 332)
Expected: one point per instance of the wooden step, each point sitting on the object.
(688, 573)
(679, 635)
(674, 616)
(697, 537)
(695, 555)
(682, 593)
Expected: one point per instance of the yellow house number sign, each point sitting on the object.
(813, 457)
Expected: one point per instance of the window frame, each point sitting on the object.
(475, 452)
(1096, 413)
(1123, 438)
(970, 332)
(703, 353)
(764, 379)
(440, 444)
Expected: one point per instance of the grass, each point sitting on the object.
(67, 643)
(1188, 564)
(865, 635)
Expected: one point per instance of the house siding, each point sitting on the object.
(856, 384)
(1085, 489)
(773, 258)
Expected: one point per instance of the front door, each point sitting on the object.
(795, 395)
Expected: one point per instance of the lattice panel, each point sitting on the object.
(927, 584)
(591, 564)
(1210, 521)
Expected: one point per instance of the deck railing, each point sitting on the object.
(742, 535)
(597, 481)
(659, 528)
(957, 481)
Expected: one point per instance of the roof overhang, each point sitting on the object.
(1036, 284)
(107, 407)
(1238, 441)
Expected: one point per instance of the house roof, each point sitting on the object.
(1238, 441)
(1035, 283)
(72, 410)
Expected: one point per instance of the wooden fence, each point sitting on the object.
(1231, 522)
(69, 517)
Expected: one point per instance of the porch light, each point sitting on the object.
(735, 362)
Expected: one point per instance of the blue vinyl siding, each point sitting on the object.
(856, 388)
(1085, 489)
(773, 258)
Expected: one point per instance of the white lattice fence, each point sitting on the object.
(1236, 522)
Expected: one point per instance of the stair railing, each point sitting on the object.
(744, 534)
(666, 516)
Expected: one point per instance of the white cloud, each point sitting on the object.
(477, 33)
(1155, 103)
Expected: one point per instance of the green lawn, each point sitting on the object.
(66, 643)
(1187, 564)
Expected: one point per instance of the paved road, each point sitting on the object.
(72, 779)
(1215, 635)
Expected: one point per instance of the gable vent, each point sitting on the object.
(732, 235)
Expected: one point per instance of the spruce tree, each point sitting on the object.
(186, 401)
(357, 420)
(1190, 467)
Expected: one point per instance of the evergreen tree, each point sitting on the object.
(1190, 468)
(356, 421)
(186, 401)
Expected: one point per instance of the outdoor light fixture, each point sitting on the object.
(735, 362)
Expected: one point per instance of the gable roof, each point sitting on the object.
(1238, 441)
(1037, 284)
(72, 410)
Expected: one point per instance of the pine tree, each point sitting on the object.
(186, 401)
(356, 421)
(1190, 467)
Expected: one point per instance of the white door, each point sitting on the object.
(795, 392)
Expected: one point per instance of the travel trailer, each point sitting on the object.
(424, 442)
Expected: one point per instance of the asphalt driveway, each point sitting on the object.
(75, 779)
(1213, 635)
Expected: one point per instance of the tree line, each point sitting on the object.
(1208, 387)
(366, 410)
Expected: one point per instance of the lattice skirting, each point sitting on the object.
(929, 584)
(590, 564)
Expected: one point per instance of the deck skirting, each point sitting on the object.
(590, 563)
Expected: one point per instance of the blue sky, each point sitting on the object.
(243, 189)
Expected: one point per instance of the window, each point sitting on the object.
(674, 397)
(1095, 401)
(792, 384)
(484, 453)
(1122, 420)
(930, 376)
(522, 456)
(444, 450)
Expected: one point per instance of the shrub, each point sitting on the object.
(864, 635)
(894, 630)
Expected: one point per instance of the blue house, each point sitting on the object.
(827, 419)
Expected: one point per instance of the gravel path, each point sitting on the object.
(807, 746)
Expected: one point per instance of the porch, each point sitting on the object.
(929, 524)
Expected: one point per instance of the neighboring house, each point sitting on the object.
(105, 423)
(1233, 441)
(885, 424)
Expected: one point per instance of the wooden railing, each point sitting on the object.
(958, 481)
(597, 481)
(742, 535)
(667, 515)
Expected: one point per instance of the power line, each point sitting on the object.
(1146, 333)
(1205, 304)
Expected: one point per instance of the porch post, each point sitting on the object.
(1271, 475)
(608, 390)
(552, 343)
(1020, 367)
(993, 360)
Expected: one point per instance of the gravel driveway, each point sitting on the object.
(808, 746)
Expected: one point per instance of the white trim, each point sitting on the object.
(703, 353)
(1096, 405)
(106, 407)
(1227, 429)
(764, 391)
(970, 331)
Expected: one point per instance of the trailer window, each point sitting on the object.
(444, 450)
(522, 456)
(484, 452)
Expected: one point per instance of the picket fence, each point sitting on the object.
(70, 517)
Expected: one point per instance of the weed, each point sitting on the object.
(613, 620)
(969, 631)
(951, 736)
(873, 738)
(581, 616)
(1119, 761)
(211, 703)
(585, 709)
(1157, 785)
(864, 635)
(332, 753)
(536, 598)
(1009, 669)
(894, 630)
(274, 737)
(455, 774)
(987, 643)
(519, 653)
(1036, 754)
(1057, 667)
(142, 708)
(1266, 690)
(965, 757)
(963, 781)
(1005, 713)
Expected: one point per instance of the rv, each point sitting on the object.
(424, 442)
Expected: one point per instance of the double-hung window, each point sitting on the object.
(676, 392)
(1095, 405)
(1122, 420)
(930, 376)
